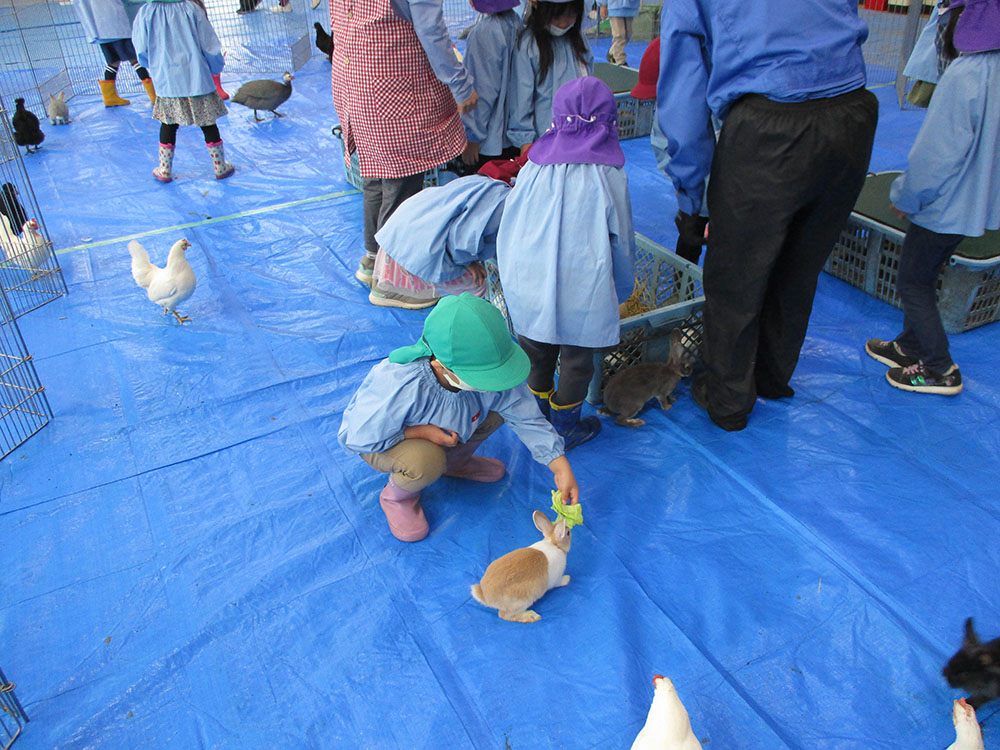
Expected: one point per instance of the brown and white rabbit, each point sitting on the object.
(628, 390)
(975, 667)
(512, 583)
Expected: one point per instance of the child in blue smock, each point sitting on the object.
(488, 53)
(175, 40)
(435, 242)
(949, 191)
(620, 14)
(566, 251)
(109, 24)
(424, 411)
(550, 51)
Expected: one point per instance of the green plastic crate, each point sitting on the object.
(671, 289)
(867, 256)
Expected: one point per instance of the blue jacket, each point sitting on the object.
(715, 51)
(394, 397)
(488, 53)
(566, 253)
(177, 44)
(530, 104)
(622, 8)
(952, 182)
(439, 231)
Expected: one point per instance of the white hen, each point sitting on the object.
(968, 735)
(667, 726)
(35, 251)
(169, 286)
(9, 241)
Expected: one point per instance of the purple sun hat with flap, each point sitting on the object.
(978, 28)
(494, 6)
(584, 126)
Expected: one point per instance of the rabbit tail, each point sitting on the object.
(477, 594)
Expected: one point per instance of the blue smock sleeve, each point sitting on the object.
(140, 36)
(485, 55)
(520, 410)
(521, 126)
(375, 418)
(682, 103)
(940, 150)
(211, 47)
(620, 232)
(427, 17)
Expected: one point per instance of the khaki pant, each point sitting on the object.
(621, 32)
(417, 463)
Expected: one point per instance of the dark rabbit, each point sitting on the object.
(976, 668)
(630, 389)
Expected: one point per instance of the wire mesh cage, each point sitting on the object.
(30, 275)
(12, 715)
(24, 408)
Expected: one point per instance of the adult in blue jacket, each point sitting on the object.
(787, 81)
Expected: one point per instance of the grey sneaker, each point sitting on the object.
(365, 267)
(392, 299)
(888, 353)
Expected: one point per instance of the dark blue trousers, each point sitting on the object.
(920, 261)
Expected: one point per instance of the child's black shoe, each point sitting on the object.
(888, 353)
(919, 379)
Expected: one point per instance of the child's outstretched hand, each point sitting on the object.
(565, 481)
(433, 433)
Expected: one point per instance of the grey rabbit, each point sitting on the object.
(976, 668)
(628, 390)
(57, 110)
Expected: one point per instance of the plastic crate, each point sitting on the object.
(867, 256)
(671, 294)
(432, 177)
(635, 116)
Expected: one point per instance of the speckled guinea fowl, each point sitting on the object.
(264, 94)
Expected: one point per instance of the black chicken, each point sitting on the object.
(11, 207)
(27, 131)
(324, 42)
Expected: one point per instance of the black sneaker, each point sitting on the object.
(919, 379)
(888, 353)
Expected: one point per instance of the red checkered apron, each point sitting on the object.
(401, 119)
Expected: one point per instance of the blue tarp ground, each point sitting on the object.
(190, 561)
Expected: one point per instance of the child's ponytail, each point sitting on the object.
(948, 51)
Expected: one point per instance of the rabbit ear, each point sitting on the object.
(560, 531)
(971, 639)
(542, 523)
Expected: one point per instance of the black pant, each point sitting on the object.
(920, 261)
(381, 198)
(784, 179)
(576, 368)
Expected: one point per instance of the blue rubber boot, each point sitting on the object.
(567, 421)
(542, 399)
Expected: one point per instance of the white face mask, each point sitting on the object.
(459, 383)
(556, 31)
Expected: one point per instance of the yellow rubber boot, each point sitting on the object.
(150, 91)
(110, 95)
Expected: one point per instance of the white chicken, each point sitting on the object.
(667, 726)
(9, 241)
(968, 735)
(34, 249)
(169, 286)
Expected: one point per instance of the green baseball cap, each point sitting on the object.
(468, 335)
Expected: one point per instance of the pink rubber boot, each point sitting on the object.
(403, 512)
(217, 79)
(462, 464)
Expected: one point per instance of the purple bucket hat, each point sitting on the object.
(978, 28)
(584, 126)
(494, 6)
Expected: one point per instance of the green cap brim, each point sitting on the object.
(405, 354)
